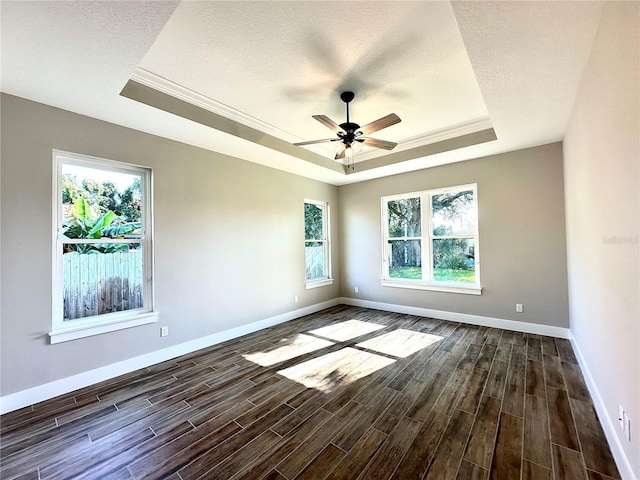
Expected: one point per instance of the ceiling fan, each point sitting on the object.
(351, 134)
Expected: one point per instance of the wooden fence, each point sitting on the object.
(102, 283)
(314, 261)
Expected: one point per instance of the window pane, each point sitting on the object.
(454, 213)
(94, 200)
(405, 259)
(454, 260)
(404, 217)
(95, 283)
(315, 260)
(313, 217)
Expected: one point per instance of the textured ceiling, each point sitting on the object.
(447, 69)
(406, 57)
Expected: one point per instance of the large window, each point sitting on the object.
(103, 258)
(431, 240)
(316, 243)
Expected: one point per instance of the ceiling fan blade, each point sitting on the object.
(379, 124)
(311, 142)
(374, 142)
(327, 122)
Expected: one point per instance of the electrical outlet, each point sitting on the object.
(164, 331)
(355, 289)
(621, 416)
(519, 308)
(295, 299)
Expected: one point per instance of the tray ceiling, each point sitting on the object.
(243, 78)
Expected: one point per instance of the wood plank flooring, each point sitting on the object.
(347, 393)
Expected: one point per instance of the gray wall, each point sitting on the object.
(229, 242)
(602, 178)
(208, 204)
(521, 227)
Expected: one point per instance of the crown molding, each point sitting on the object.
(168, 87)
(454, 131)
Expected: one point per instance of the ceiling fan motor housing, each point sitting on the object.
(351, 129)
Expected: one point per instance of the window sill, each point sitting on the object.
(319, 283)
(434, 287)
(82, 331)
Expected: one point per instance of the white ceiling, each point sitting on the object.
(447, 69)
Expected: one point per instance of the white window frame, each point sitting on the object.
(62, 330)
(326, 241)
(426, 241)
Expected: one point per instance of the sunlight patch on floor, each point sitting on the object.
(346, 330)
(299, 345)
(336, 369)
(400, 343)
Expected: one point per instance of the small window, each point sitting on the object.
(316, 243)
(102, 271)
(431, 240)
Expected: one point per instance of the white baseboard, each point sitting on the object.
(609, 427)
(524, 327)
(40, 393)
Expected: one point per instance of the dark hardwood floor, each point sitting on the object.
(346, 393)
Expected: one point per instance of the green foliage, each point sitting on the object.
(453, 275)
(449, 204)
(313, 222)
(404, 217)
(109, 198)
(70, 189)
(440, 274)
(121, 230)
(453, 253)
(406, 272)
(83, 224)
(452, 214)
(131, 202)
(406, 253)
(105, 196)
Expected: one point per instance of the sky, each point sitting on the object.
(121, 180)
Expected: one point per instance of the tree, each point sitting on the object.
(450, 217)
(131, 202)
(312, 222)
(109, 198)
(450, 206)
(404, 217)
(404, 221)
(70, 189)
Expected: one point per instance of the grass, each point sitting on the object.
(440, 274)
(451, 275)
(405, 272)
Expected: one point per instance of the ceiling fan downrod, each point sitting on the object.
(349, 127)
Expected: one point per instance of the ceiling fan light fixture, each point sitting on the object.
(348, 156)
(348, 152)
